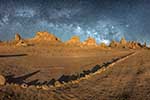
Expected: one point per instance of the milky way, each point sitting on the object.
(102, 19)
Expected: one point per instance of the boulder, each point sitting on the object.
(24, 85)
(2, 80)
(57, 84)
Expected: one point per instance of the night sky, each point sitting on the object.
(102, 19)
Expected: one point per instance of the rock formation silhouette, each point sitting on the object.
(74, 40)
(123, 41)
(45, 36)
(114, 44)
(90, 42)
(17, 37)
(103, 45)
(126, 44)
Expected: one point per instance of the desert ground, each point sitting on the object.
(58, 71)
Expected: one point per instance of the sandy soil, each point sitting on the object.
(126, 80)
(52, 62)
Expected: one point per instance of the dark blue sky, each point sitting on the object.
(102, 19)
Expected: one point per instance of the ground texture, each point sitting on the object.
(128, 79)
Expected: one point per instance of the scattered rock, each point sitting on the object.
(58, 84)
(2, 80)
(45, 87)
(38, 86)
(24, 85)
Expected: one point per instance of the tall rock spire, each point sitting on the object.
(90, 42)
(17, 37)
(74, 40)
(123, 41)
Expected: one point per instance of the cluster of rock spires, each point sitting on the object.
(124, 44)
(90, 42)
(39, 37)
(75, 41)
(45, 36)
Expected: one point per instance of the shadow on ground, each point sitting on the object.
(14, 55)
(20, 79)
(63, 78)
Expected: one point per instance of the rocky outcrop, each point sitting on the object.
(123, 41)
(124, 44)
(144, 45)
(45, 36)
(134, 45)
(75, 40)
(114, 44)
(17, 37)
(2, 80)
(103, 45)
(90, 42)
